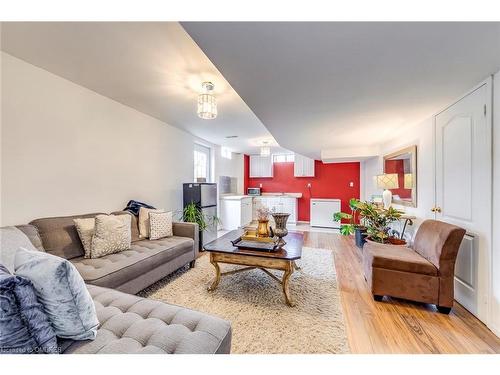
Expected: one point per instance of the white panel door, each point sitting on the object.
(463, 191)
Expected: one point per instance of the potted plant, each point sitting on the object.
(193, 214)
(352, 227)
(377, 221)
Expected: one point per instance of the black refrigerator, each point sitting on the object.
(204, 195)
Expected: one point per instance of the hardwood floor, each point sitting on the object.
(397, 326)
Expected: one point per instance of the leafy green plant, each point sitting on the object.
(375, 219)
(193, 214)
(348, 229)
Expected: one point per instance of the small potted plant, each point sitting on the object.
(352, 227)
(193, 214)
(263, 219)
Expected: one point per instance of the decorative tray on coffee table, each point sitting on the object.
(250, 241)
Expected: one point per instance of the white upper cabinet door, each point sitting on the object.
(303, 167)
(261, 166)
(255, 169)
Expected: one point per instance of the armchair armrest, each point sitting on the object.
(190, 230)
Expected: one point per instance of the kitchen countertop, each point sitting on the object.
(325, 199)
(289, 195)
(234, 197)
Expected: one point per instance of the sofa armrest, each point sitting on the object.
(190, 230)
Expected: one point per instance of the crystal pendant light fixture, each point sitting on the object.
(207, 103)
(265, 150)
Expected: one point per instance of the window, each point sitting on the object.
(201, 162)
(283, 158)
(225, 152)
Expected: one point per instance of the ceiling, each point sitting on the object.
(154, 67)
(332, 89)
(321, 88)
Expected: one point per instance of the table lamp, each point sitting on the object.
(408, 182)
(387, 181)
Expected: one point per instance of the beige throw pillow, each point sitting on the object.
(160, 225)
(86, 230)
(144, 221)
(112, 235)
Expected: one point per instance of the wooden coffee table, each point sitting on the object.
(222, 251)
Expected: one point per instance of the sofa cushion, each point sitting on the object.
(59, 235)
(144, 221)
(160, 225)
(11, 240)
(61, 291)
(24, 327)
(398, 258)
(115, 269)
(134, 225)
(131, 324)
(112, 235)
(32, 233)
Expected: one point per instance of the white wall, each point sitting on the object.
(421, 135)
(495, 270)
(68, 150)
(229, 167)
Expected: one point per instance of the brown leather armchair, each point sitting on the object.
(424, 273)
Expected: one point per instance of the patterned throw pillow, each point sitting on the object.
(160, 225)
(86, 230)
(112, 235)
(62, 292)
(144, 221)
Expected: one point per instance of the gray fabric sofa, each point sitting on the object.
(129, 271)
(131, 324)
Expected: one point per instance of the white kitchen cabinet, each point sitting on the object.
(235, 212)
(261, 166)
(322, 211)
(303, 167)
(277, 204)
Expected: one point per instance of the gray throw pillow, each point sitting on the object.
(62, 292)
(24, 327)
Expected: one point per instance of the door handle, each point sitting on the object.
(436, 209)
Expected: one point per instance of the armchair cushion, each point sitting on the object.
(397, 258)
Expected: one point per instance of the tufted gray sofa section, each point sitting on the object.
(135, 325)
(131, 324)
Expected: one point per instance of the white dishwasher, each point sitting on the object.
(322, 211)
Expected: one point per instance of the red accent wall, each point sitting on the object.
(330, 181)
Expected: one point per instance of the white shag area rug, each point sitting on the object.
(254, 304)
